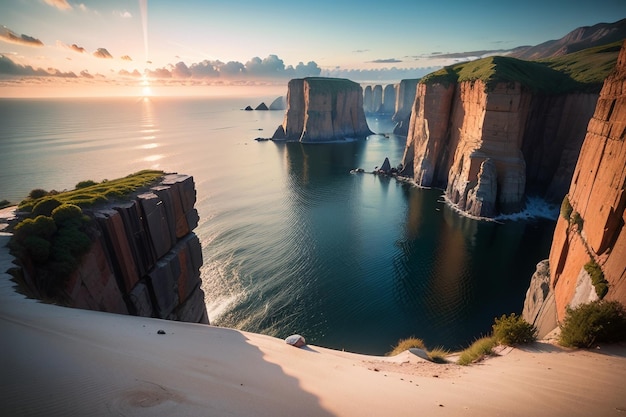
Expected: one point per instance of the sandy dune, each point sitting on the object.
(56, 361)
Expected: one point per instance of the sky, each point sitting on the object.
(126, 47)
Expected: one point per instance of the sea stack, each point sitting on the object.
(323, 110)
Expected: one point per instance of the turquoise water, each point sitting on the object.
(292, 241)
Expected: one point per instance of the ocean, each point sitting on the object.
(293, 242)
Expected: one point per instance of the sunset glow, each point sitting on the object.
(194, 47)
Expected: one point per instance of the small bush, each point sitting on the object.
(566, 208)
(68, 215)
(597, 278)
(577, 220)
(4, 203)
(85, 184)
(41, 226)
(597, 322)
(37, 193)
(38, 248)
(438, 355)
(477, 351)
(406, 344)
(513, 330)
(45, 206)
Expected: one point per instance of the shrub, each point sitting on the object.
(406, 344)
(513, 330)
(4, 203)
(85, 184)
(71, 240)
(437, 355)
(597, 322)
(68, 215)
(41, 226)
(37, 193)
(38, 248)
(477, 351)
(45, 206)
(597, 278)
(577, 220)
(566, 208)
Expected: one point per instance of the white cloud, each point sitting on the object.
(59, 4)
(124, 15)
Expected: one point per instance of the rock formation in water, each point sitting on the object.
(530, 136)
(323, 110)
(590, 235)
(377, 98)
(144, 258)
(278, 103)
(368, 103)
(389, 100)
(405, 97)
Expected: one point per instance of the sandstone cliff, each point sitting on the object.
(529, 134)
(588, 254)
(405, 97)
(322, 110)
(144, 258)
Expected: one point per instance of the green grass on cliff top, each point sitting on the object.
(580, 71)
(88, 193)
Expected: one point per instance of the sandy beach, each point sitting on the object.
(57, 361)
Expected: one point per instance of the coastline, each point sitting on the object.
(62, 361)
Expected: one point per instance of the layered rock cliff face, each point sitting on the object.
(145, 259)
(322, 110)
(486, 145)
(591, 228)
(405, 97)
(379, 99)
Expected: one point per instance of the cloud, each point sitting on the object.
(102, 53)
(360, 51)
(8, 67)
(125, 73)
(124, 15)
(181, 71)
(271, 67)
(72, 47)
(470, 54)
(77, 48)
(59, 4)
(386, 61)
(86, 74)
(126, 58)
(378, 75)
(9, 36)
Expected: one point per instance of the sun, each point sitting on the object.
(145, 87)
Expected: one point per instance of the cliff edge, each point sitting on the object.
(323, 110)
(489, 131)
(588, 254)
(135, 254)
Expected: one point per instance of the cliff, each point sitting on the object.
(143, 258)
(323, 110)
(588, 254)
(490, 131)
(405, 98)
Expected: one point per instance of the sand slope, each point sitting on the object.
(56, 361)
